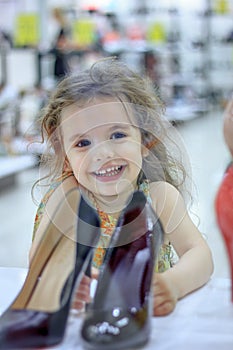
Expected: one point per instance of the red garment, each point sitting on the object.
(224, 213)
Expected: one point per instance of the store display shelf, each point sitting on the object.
(10, 166)
(181, 111)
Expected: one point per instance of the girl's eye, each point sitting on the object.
(83, 143)
(118, 135)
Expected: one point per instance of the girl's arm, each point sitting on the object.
(195, 264)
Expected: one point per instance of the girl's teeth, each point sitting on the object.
(109, 171)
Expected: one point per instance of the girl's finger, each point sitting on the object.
(78, 305)
(94, 273)
(83, 296)
(85, 280)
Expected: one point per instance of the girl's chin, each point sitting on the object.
(122, 189)
(111, 189)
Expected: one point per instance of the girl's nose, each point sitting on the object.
(103, 151)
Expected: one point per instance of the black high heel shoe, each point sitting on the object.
(119, 317)
(38, 316)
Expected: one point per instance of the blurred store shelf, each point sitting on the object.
(11, 166)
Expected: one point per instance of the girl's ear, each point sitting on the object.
(66, 166)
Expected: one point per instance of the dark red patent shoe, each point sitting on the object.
(120, 315)
(38, 316)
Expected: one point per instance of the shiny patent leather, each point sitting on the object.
(224, 213)
(56, 269)
(120, 315)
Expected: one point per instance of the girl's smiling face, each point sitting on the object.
(103, 148)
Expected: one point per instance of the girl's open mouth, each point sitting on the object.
(109, 174)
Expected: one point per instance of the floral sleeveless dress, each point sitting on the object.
(108, 223)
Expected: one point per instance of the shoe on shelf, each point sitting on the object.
(38, 316)
(120, 315)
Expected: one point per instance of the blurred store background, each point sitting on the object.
(186, 48)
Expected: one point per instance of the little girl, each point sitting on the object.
(106, 135)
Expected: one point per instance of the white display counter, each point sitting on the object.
(202, 320)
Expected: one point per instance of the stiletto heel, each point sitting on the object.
(224, 213)
(119, 317)
(38, 316)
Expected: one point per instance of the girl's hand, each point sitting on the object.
(82, 295)
(164, 295)
(94, 273)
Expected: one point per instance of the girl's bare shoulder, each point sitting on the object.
(161, 189)
(165, 197)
